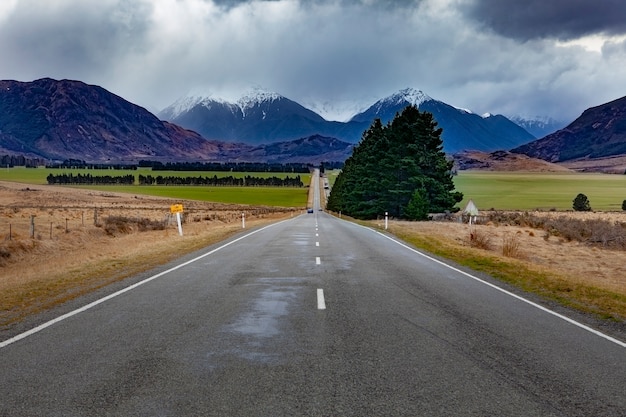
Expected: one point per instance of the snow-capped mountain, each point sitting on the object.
(256, 117)
(264, 117)
(538, 126)
(462, 129)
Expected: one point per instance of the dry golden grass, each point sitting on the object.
(69, 255)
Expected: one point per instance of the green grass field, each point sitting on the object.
(266, 196)
(543, 191)
(497, 190)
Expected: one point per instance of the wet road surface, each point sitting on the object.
(313, 316)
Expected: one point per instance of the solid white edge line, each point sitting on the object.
(321, 304)
(540, 307)
(122, 291)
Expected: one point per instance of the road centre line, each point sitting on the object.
(124, 290)
(317, 243)
(321, 304)
(540, 307)
(318, 260)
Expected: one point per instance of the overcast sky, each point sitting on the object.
(532, 57)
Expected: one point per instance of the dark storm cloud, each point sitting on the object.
(558, 19)
(341, 55)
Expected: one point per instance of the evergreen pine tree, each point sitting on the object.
(399, 168)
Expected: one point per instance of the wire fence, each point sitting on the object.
(51, 223)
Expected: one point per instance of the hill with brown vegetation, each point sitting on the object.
(70, 119)
(502, 161)
(60, 120)
(600, 132)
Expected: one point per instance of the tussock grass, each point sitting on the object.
(511, 246)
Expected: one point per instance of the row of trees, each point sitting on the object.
(80, 164)
(399, 168)
(226, 166)
(226, 181)
(247, 181)
(88, 179)
(20, 161)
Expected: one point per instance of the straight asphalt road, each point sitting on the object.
(312, 316)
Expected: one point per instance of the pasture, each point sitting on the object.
(265, 196)
(540, 191)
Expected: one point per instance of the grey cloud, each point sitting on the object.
(84, 37)
(559, 19)
(379, 4)
(335, 52)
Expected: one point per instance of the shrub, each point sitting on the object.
(624, 205)
(114, 225)
(478, 239)
(581, 203)
(593, 232)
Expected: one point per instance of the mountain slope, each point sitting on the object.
(461, 129)
(599, 132)
(257, 117)
(269, 117)
(538, 126)
(70, 119)
(313, 150)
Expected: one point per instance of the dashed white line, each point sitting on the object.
(318, 260)
(317, 243)
(321, 304)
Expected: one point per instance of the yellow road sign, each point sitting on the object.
(176, 208)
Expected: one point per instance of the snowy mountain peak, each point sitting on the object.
(256, 96)
(409, 95)
(186, 103)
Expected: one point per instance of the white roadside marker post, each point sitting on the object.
(180, 226)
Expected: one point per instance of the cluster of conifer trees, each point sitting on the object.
(226, 181)
(399, 169)
(88, 179)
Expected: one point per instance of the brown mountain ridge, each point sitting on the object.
(71, 119)
(597, 135)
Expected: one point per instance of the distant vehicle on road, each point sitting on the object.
(309, 210)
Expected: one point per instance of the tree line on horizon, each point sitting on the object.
(225, 181)
(301, 168)
(398, 168)
(230, 181)
(88, 179)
